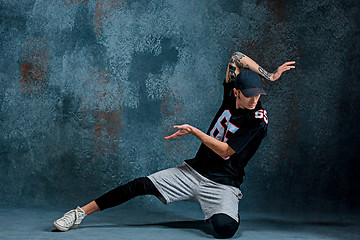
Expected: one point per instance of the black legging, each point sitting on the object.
(223, 225)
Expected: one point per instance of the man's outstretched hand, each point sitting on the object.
(183, 130)
(285, 67)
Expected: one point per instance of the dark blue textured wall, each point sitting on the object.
(89, 88)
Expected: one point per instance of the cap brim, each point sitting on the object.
(250, 92)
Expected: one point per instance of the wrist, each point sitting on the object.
(193, 130)
(271, 76)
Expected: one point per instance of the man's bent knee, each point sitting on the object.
(224, 225)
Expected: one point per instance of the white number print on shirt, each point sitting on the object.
(223, 128)
(262, 114)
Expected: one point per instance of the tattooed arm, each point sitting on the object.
(240, 61)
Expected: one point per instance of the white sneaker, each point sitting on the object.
(71, 219)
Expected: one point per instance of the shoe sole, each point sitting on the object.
(74, 226)
(60, 228)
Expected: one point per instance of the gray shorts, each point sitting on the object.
(183, 183)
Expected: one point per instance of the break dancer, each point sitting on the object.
(213, 177)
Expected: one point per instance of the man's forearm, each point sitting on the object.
(243, 61)
(220, 148)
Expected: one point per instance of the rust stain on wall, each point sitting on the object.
(35, 66)
(278, 35)
(104, 10)
(107, 124)
(69, 3)
(274, 47)
(279, 8)
(107, 130)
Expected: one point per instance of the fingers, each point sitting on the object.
(175, 135)
(283, 69)
(287, 66)
(185, 127)
(181, 126)
(288, 63)
(171, 136)
(183, 130)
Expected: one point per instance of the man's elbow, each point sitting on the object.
(227, 153)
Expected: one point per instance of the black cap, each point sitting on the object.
(249, 83)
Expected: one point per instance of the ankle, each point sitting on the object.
(90, 208)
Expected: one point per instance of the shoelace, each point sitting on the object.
(68, 218)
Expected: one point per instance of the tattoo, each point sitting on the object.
(238, 56)
(235, 61)
(264, 73)
(232, 74)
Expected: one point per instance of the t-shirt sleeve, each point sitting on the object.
(228, 91)
(244, 136)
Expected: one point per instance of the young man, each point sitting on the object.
(214, 176)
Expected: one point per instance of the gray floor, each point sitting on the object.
(177, 221)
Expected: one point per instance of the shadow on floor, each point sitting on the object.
(197, 224)
(256, 224)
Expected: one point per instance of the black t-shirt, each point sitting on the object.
(242, 129)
